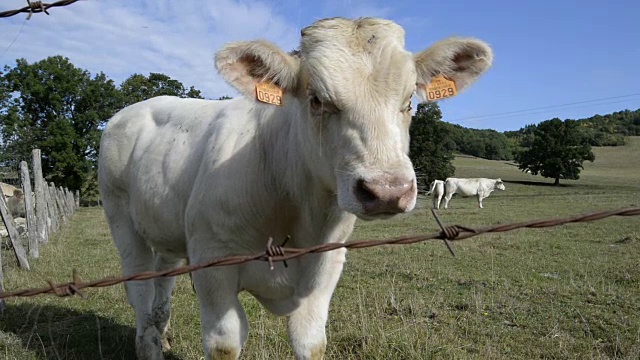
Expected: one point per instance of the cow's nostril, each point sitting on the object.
(365, 193)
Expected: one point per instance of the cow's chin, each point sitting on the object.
(379, 216)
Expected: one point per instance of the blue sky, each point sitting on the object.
(547, 53)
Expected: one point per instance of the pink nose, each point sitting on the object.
(385, 194)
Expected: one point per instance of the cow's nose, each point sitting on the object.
(385, 194)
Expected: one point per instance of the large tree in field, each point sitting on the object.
(556, 150)
(139, 87)
(431, 148)
(59, 109)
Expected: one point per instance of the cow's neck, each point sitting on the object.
(293, 161)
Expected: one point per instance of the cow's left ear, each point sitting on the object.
(462, 60)
(246, 63)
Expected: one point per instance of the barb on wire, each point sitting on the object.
(35, 7)
(448, 232)
(280, 253)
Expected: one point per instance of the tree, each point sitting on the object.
(431, 148)
(139, 87)
(59, 109)
(225, 97)
(557, 150)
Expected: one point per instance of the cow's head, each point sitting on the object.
(500, 184)
(351, 83)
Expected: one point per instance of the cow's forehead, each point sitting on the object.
(345, 58)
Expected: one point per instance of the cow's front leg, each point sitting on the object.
(480, 197)
(307, 322)
(224, 323)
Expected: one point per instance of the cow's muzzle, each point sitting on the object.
(386, 195)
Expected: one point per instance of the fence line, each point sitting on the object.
(44, 211)
(34, 7)
(276, 253)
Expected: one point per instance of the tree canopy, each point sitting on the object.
(557, 150)
(139, 87)
(58, 108)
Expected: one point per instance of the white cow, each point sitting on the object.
(480, 187)
(201, 179)
(437, 191)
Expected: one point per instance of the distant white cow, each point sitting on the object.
(437, 191)
(201, 179)
(481, 187)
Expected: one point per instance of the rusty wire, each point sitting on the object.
(34, 7)
(275, 253)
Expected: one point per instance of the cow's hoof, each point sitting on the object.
(167, 340)
(149, 346)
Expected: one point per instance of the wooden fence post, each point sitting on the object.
(53, 209)
(41, 200)
(60, 201)
(77, 199)
(31, 217)
(21, 254)
(72, 204)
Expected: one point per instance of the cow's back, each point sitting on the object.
(462, 186)
(150, 157)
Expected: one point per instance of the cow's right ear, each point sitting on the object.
(244, 64)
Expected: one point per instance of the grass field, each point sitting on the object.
(570, 292)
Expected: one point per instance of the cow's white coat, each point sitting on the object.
(480, 187)
(436, 191)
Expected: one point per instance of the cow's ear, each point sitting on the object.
(462, 60)
(244, 64)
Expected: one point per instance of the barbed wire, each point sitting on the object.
(34, 7)
(278, 253)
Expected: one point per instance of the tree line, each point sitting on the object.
(61, 109)
(598, 130)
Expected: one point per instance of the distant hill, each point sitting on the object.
(600, 130)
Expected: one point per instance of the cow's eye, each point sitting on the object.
(315, 102)
(407, 108)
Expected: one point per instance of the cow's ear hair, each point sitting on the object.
(462, 60)
(244, 64)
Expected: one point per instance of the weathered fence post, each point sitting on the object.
(21, 254)
(70, 202)
(31, 217)
(62, 219)
(53, 208)
(41, 201)
(63, 200)
(77, 199)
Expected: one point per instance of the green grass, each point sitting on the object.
(570, 292)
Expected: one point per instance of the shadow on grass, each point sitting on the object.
(535, 183)
(54, 332)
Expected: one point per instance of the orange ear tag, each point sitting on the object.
(440, 88)
(269, 93)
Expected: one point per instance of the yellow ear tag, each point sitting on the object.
(440, 88)
(269, 93)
